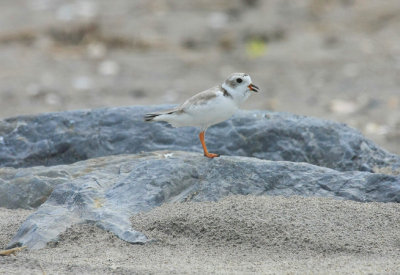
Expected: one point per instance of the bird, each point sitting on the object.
(209, 107)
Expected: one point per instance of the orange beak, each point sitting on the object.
(254, 88)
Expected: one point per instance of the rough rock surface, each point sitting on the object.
(67, 137)
(108, 191)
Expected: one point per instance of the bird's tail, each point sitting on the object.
(151, 116)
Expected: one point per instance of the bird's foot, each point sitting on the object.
(12, 251)
(211, 155)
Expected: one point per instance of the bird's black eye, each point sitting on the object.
(239, 80)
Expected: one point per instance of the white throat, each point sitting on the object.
(239, 95)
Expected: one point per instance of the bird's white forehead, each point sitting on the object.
(244, 76)
(231, 81)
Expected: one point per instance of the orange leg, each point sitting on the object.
(203, 143)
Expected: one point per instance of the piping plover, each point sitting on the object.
(209, 107)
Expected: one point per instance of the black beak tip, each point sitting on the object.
(254, 88)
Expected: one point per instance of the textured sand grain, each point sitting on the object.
(10, 220)
(241, 234)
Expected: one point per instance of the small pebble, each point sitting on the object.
(52, 99)
(82, 83)
(344, 107)
(108, 67)
(376, 129)
(96, 50)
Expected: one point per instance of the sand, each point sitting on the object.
(238, 235)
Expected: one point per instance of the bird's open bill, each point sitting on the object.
(253, 88)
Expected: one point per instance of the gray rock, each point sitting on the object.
(108, 191)
(67, 137)
(30, 187)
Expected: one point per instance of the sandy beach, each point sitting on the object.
(238, 235)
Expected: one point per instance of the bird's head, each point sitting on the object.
(240, 86)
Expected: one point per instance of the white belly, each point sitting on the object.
(217, 110)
